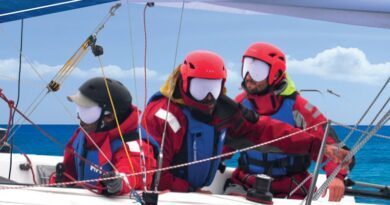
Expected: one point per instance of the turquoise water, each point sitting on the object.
(372, 161)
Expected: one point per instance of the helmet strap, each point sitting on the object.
(101, 125)
(280, 87)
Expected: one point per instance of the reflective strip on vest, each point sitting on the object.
(169, 118)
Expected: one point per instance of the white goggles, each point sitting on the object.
(257, 69)
(201, 87)
(89, 115)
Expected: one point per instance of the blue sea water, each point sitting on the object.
(372, 161)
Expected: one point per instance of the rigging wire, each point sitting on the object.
(160, 154)
(69, 66)
(341, 144)
(364, 133)
(148, 4)
(142, 153)
(55, 86)
(18, 96)
(372, 122)
(352, 152)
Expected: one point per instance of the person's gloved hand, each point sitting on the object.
(113, 186)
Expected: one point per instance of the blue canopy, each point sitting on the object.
(11, 10)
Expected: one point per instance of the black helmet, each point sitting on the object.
(95, 89)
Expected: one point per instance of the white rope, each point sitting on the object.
(167, 168)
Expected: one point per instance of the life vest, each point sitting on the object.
(201, 141)
(270, 163)
(284, 113)
(87, 171)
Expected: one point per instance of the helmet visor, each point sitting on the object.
(201, 87)
(257, 69)
(89, 115)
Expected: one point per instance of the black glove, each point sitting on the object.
(60, 168)
(113, 186)
(248, 114)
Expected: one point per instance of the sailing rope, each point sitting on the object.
(59, 78)
(172, 167)
(27, 166)
(70, 65)
(2, 96)
(160, 154)
(349, 156)
(116, 120)
(58, 143)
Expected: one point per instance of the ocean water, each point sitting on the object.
(372, 161)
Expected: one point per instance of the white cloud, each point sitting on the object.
(344, 64)
(116, 72)
(9, 71)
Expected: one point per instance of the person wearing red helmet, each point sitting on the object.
(96, 150)
(270, 92)
(191, 118)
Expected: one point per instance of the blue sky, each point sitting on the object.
(352, 61)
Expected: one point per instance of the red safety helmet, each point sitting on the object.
(200, 64)
(271, 55)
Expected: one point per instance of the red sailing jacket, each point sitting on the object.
(119, 158)
(263, 130)
(305, 115)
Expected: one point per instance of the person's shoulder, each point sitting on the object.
(161, 105)
(240, 97)
(158, 112)
(302, 102)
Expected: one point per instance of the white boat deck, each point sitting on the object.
(65, 196)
